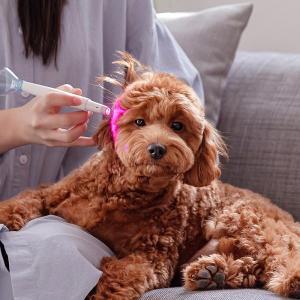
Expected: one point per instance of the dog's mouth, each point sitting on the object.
(151, 169)
(155, 164)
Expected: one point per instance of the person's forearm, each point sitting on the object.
(10, 129)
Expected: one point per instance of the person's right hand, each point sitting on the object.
(41, 122)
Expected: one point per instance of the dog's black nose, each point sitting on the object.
(157, 151)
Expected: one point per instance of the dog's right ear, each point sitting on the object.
(206, 167)
(103, 137)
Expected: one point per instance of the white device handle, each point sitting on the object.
(87, 104)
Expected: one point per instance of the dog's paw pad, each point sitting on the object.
(204, 274)
(203, 283)
(212, 269)
(210, 278)
(219, 278)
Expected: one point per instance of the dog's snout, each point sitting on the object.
(157, 151)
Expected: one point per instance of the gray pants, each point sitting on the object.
(50, 259)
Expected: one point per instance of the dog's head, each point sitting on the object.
(158, 128)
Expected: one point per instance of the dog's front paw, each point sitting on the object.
(108, 289)
(204, 276)
(16, 223)
(217, 271)
(106, 295)
(11, 221)
(14, 217)
(110, 295)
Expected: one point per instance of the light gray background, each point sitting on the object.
(274, 25)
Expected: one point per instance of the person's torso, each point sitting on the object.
(92, 31)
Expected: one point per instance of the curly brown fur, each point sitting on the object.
(160, 214)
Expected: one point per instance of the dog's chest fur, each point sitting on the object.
(129, 219)
(175, 221)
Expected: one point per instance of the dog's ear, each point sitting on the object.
(206, 168)
(103, 137)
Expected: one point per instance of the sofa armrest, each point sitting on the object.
(260, 120)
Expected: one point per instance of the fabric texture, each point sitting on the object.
(92, 32)
(181, 294)
(210, 42)
(50, 259)
(260, 120)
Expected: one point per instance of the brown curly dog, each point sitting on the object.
(153, 197)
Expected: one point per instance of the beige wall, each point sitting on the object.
(274, 25)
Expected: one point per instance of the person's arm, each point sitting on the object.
(10, 136)
(150, 42)
(40, 122)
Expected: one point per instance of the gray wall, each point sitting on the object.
(274, 25)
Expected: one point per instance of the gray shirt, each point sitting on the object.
(92, 31)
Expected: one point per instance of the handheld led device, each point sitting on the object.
(9, 83)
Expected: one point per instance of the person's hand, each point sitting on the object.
(41, 122)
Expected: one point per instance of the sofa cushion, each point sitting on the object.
(181, 294)
(260, 120)
(210, 39)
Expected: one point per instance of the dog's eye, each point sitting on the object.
(177, 126)
(140, 122)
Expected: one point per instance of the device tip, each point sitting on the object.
(107, 111)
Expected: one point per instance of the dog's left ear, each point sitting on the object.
(103, 137)
(206, 168)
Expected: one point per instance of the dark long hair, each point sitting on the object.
(40, 21)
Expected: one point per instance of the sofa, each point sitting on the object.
(260, 121)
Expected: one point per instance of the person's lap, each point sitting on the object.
(50, 259)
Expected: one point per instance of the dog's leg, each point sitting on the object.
(275, 264)
(219, 271)
(130, 277)
(263, 232)
(283, 273)
(16, 212)
(282, 259)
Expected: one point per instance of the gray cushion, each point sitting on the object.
(260, 119)
(181, 294)
(210, 39)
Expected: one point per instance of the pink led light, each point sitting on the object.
(117, 112)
